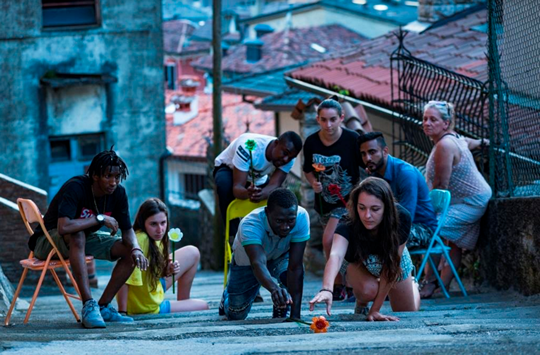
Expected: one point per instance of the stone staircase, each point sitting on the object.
(481, 323)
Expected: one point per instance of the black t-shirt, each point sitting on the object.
(366, 242)
(75, 200)
(341, 161)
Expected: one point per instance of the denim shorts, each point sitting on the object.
(243, 286)
(335, 213)
(374, 266)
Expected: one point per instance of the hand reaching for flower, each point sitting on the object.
(323, 296)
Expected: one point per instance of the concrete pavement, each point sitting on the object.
(481, 323)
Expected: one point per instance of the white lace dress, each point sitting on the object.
(470, 196)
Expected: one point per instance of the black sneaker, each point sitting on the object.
(280, 312)
(221, 309)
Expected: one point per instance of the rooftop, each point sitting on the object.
(287, 48)
(190, 139)
(364, 70)
(400, 13)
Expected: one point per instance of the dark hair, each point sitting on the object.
(387, 239)
(105, 159)
(371, 136)
(331, 102)
(292, 137)
(281, 197)
(157, 258)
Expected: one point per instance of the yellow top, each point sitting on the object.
(141, 298)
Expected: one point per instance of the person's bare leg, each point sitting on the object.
(430, 281)
(92, 277)
(188, 257)
(328, 237)
(455, 255)
(365, 286)
(188, 305)
(77, 242)
(121, 298)
(121, 272)
(404, 296)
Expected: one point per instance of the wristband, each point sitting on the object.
(136, 248)
(325, 289)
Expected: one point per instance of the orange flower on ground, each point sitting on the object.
(318, 167)
(319, 325)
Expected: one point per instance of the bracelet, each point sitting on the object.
(136, 248)
(325, 289)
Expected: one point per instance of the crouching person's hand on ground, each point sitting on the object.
(376, 316)
(280, 297)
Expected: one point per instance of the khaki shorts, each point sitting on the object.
(98, 244)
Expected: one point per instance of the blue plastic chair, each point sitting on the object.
(441, 202)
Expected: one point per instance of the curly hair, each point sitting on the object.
(387, 239)
(281, 197)
(158, 259)
(105, 159)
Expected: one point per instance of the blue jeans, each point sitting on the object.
(243, 286)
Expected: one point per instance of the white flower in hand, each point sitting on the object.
(175, 234)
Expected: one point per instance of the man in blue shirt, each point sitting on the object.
(268, 251)
(407, 183)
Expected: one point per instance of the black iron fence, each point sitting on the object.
(514, 97)
(418, 82)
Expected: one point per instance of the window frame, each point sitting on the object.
(97, 8)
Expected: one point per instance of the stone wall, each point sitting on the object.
(127, 45)
(13, 234)
(509, 245)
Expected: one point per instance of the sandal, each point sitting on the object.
(427, 288)
(361, 310)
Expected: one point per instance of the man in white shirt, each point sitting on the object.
(239, 174)
(268, 251)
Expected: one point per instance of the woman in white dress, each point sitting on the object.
(451, 167)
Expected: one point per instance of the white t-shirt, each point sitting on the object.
(237, 155)
(254, 229)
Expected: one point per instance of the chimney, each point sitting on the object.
(189, 84)
(253, 50)
(262, 29)
(435, 10)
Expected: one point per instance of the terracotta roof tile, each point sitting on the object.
(365, 69)
(190, 139)
(282, 49)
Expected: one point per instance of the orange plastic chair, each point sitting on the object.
(30, 214)
(237, 209)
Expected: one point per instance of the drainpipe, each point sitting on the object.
(162, 176)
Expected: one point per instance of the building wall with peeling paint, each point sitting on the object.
(128, 113)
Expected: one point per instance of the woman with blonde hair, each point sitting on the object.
(451, 167)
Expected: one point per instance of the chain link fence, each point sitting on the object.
(514, 97)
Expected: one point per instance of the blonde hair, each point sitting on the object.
(445, 109)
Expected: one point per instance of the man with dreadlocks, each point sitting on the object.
(83, 205)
